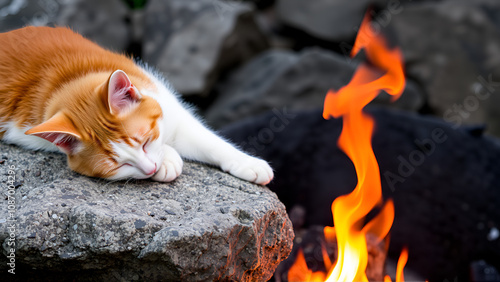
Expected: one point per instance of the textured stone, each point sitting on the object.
(453, 51)
(100, 21)
(207, 225)
(193, 42)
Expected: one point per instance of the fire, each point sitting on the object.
(385, 72)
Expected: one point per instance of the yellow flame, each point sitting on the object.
(349, 211)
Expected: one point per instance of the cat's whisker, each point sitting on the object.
(110, 181)
(108, 170)
(102, 163)
(96, 165)
(128, 180)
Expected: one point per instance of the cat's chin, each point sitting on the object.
(127, 176)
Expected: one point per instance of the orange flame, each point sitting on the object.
(349, 211)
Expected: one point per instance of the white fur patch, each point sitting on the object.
(15, 135)
(193, 140)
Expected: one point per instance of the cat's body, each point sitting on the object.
(113, 118)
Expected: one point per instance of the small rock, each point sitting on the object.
(333, 21)
(199, 40)
(170, 212)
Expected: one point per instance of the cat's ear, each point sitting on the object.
(60, 131)
(122, 95)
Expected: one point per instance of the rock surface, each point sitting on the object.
(193, 42)
(207, 225)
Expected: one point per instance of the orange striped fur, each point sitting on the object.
(45, 71)
(60, 91)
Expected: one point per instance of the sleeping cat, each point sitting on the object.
(112, 117)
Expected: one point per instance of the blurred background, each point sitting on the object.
(258, 72)
(235, 59)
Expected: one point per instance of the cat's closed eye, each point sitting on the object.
(145, 144)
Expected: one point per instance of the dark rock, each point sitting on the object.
(84, 233)
(261, 4)
(452, 49)
(193, 42)
(286, 81)
(16, 14)
(481, 271)
(100, 21)
(446, 192)
(328, 20)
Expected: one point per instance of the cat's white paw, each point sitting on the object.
(171, 167)
(250, 169)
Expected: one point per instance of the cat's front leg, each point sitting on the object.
(171, 166)
(194, 141)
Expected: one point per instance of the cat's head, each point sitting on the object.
(106, 127)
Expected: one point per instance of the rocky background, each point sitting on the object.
(237, 59)
(242, 61)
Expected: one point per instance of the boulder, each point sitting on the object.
(194, 42)
(328, 20)
(453, 51)
(100, 21)
(282, 80)
(205, 226)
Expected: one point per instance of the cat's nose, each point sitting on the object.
(148, 168)
(151, 172)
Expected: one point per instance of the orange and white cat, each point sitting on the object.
(113, 118)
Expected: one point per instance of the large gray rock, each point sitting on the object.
(286, 81)
(194, 41)
(207, 225)
(453, 51)
(100, 21)
(331, 20)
